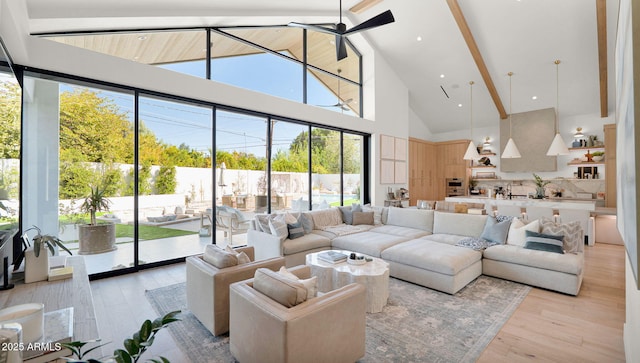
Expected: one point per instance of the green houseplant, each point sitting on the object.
(94, 237)
(45, 240)
(36, 268)
(134, 347)
(540, 184)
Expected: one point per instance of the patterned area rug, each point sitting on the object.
(417, 325)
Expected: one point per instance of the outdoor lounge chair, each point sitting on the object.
(231, 221)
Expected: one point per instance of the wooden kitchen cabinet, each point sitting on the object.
(610, 166)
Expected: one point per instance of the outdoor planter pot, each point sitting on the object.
(97, 238)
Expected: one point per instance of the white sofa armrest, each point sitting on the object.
(265, 245)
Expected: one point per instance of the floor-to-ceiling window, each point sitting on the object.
(352, 168)
(289, 166)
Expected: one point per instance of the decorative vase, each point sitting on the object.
(576, 143)
(36, 268)
(539, 192)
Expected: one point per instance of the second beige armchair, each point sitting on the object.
(208, 287)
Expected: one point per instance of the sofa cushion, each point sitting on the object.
(567, 263)
(496, 231)
(432, 256)
(450, 239)
(572, 232)
(380, 213)
(307, 242)
(278, 226)
(363, 218)
(412, 218)
(326, 217)
(400, 231)
(543, 242)
(470, 225)
(306, 221)
(279, 288)
(218, 257)
(517, 230)
(369, 243)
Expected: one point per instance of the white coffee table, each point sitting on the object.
(374, 275)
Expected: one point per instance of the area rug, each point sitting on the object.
(417, 325)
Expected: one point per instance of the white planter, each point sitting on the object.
(36, 268)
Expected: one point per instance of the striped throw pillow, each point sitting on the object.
(572, 232)
(543, 242)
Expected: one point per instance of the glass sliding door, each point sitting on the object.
(242, 180)
(10, 130)
(325, 166)
(289, 166)
(175, 179)
(352, 161)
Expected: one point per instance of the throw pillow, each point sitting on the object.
(517, 230)
(290, 218)
(278, 226)
(218, 257)
(477, 244)
(279, 288)
(495, 231)
(356, 207)
(543, 242)
(347, 214)
(262, 223)
(295, 230)
(572, 232)
(378, 211)
(307, 222)
(363, 218)
(241, 256)
(311, 284)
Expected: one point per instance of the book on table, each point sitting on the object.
(332, 256)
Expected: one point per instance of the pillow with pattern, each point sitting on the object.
(572, 232)
(477, 244)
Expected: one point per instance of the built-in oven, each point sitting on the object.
(455, 187)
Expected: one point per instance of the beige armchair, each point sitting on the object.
(328, 328)
(208, 287)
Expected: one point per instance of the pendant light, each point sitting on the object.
(558, 146)
(510, 150)
(472, 151)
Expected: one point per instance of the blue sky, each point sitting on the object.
(177, 123)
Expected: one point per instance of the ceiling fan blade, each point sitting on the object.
(317, 28)
(341, 47)
(376, 21)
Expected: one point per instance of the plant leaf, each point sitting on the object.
(145, 330)
(122, 357)
(131, 346)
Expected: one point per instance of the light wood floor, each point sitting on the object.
(547, 326)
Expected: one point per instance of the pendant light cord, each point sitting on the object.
(510, 126)
(557, 124)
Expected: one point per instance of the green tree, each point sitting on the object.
(10, 120)
(113, 181)
(75, 175)
(95, 126)
(166, 180)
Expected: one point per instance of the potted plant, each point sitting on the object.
(96, 237)
(540, 184)
(597, 155)
(36, 268)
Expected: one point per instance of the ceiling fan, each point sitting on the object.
(341, 31)
(342, 105)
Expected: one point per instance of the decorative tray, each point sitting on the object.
(356, 262)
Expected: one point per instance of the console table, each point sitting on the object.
(55, 295)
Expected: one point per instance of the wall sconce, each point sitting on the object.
(578, 133)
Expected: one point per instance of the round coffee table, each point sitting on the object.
(374, 275)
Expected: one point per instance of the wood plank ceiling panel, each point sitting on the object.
(364, 5)
(601, 15)
(477, 56)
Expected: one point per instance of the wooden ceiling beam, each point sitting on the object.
(477, 56)
(363, 6)
(601, 16)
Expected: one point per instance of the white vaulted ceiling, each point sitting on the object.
(521, 36)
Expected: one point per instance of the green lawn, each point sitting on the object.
(150, 232)
(346, 202)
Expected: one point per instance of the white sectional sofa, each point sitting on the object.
(421, 247)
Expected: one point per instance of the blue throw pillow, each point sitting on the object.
(347, 214)
(543, 242)
(295, 230)
(496, 231)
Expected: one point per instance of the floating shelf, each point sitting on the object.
(489, 154)
(586, 148)
(482, 166)
(586, 163)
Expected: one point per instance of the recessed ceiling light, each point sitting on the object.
(459, 104)
(419, 38)
(442, 76)
(534, 97)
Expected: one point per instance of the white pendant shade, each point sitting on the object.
(558, 147)
(472, 152)
(511, 150)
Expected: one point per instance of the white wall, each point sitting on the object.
(632, 325)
